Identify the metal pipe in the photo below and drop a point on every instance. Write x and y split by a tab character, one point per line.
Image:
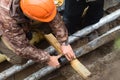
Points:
14	69
108	36
8	72
91	28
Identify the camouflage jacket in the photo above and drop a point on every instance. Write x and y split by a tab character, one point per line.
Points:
10	16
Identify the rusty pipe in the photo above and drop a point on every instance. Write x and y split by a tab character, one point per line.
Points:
14	69
105	38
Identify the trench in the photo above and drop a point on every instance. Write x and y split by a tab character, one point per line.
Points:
102	62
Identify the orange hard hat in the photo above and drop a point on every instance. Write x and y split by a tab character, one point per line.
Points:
40	10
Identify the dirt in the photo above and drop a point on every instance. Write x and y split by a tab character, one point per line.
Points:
106	68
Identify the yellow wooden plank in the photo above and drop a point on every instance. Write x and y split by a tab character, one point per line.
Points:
76	64
2	57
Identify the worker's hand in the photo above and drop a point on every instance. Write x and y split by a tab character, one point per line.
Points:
68	52
54	61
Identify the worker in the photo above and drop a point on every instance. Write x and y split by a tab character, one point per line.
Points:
81	13
23	13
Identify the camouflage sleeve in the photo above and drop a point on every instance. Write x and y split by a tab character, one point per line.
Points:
59	29
16	38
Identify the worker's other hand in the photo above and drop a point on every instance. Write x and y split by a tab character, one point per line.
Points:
54	61
68	52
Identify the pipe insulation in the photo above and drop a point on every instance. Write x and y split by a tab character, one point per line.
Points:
14	69
105	38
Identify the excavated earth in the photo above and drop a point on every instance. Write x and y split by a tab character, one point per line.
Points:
103	63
